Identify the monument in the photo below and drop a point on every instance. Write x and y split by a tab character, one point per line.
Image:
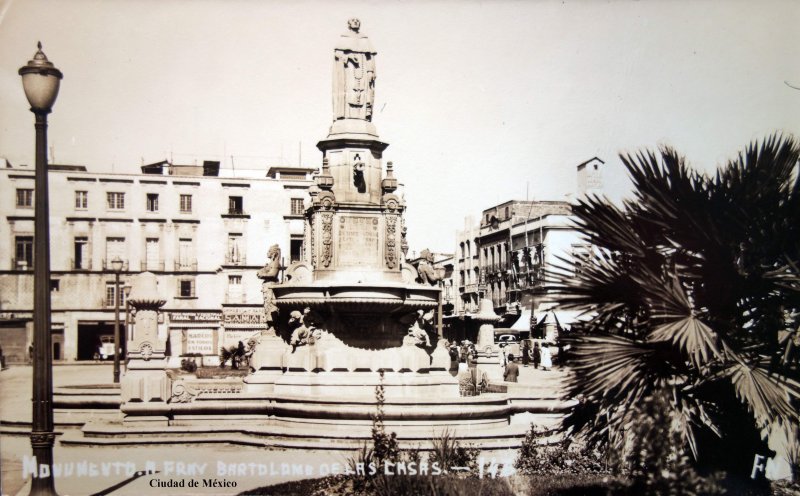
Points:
352	306
351	316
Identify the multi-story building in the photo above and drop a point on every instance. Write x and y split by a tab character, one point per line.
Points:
204	236
507	257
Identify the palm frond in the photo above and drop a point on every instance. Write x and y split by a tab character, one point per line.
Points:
766	397
609	367
693	337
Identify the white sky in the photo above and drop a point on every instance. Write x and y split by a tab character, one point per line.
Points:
478	100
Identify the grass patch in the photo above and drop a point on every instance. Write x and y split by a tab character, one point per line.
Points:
219	373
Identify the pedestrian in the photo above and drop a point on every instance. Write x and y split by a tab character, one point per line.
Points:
547	361
453	360
537	355
526	353
512	370
462	363
30	353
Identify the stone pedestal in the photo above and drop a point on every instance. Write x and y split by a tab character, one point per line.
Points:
488	353
266	362
489	363
145	379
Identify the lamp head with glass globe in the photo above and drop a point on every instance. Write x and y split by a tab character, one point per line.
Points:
40	80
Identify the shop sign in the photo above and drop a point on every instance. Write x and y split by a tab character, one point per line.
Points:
232	338
213	317
15	315
243	316
200	341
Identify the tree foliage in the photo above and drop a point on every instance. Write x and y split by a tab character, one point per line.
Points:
692	289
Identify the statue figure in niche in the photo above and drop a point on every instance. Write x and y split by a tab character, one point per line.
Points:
427	273
353	75
358	174
269	275
420	329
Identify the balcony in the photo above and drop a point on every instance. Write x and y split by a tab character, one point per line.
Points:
186	265
107	265
21	264
235	259
80	265
236	213
153	265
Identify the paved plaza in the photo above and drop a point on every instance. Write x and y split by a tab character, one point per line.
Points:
106	469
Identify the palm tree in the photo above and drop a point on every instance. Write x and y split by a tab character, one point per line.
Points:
692	293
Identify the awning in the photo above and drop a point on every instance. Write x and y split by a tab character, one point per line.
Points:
523	323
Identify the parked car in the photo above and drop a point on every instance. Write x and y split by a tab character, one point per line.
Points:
106	346
508	344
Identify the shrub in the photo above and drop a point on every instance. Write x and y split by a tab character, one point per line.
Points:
661	464
561	458
189	365
448	453
384	446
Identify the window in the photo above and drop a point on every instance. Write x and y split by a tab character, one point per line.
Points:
25	198
152	255
81	253
186	204
581	256
81	200
296	250
23	253
235	205
234	253
185	259
115	201
297	206
235	293
152	202
55	285
506	216
186	288
115	248
111	293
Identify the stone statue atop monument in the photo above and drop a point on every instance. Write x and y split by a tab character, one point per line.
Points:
353	75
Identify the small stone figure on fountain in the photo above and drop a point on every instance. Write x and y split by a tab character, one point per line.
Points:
304	331
418	332
269	275
428	274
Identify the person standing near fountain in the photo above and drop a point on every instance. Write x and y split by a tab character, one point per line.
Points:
512	370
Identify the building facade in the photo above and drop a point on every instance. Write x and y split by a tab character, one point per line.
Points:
203	235
509	253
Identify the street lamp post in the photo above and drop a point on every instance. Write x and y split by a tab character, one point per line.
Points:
116	266
41	80
126	290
